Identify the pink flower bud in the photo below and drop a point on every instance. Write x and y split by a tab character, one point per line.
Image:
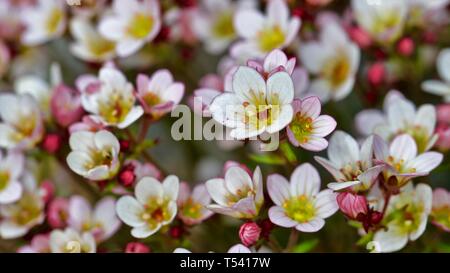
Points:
51	143
352	204
443	142
360	37
136	247
376	73
127	176
249	233
58	213
48	190
443	113
406	46
66	105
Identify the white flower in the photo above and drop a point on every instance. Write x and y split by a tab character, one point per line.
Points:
406	216
22	125
299	203
101	221
109	98
90	45
436	87
237	195
402	161
263	33
255	106
349	164
192	205
44	21
70	241
19	217
213	23
334	60
400	116
383	20
153	206
132	24
11	167
94	155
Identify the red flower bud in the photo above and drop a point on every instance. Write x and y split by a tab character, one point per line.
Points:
51	143
249	233
176	232
360	37
136	247
376	73
406	47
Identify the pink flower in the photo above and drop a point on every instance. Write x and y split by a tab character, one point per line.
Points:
58	213
159	94
249	233
66	105
136	247
443	142
39	244
299	203
443	113
440	212
352	205
308	128
86	124
192	205
360	37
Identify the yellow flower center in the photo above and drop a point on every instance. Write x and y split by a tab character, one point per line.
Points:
155	212
271	38
223	26
99	158
337	70
301	126
24	128
4	179
300	209
100	46
140	26
28	209
191	209
151	99
442	216
54	20
116	108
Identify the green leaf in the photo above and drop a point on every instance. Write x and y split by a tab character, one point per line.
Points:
286	149
268	158
306	246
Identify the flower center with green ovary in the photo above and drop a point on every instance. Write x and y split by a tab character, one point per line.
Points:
191	209
116	108
151	99
385	22
140	26
300	209
29	210
155	212
223	26
407	217
420	135
99	158
99	46
337	70
271	38
301	127
54	20
260	116
4	179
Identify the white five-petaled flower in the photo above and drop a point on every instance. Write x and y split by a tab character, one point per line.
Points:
299	203
334	60
71	241
101	221
159	94
383	20
192	205
237	194
400	116
308	128
263	33
109	98
89	45
132	24
94	155
153	206
401	161
213	23
11	168
436	87
19	217
349	164
406	218
44	21
255	106
22	123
